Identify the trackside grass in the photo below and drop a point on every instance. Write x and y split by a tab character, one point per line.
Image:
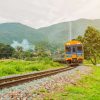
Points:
88	88
87	62
9	67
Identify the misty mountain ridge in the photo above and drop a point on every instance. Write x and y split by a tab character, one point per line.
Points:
57	33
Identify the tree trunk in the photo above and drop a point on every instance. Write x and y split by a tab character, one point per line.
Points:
94	60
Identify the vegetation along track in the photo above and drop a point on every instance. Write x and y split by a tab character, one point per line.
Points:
15	80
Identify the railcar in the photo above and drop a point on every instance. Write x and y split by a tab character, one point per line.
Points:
74	53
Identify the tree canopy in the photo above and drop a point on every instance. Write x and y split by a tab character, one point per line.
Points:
91	42
6	51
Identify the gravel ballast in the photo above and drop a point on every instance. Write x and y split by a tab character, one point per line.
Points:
28	91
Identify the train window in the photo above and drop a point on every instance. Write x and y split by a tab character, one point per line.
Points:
68	49
79	48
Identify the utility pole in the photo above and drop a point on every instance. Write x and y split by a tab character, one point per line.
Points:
70	30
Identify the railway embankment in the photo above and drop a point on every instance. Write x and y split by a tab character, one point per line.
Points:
45	87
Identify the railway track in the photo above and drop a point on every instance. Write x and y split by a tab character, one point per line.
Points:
16	80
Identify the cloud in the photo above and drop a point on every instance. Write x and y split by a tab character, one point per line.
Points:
39	13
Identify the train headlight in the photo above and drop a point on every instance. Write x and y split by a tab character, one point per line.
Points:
68	43
78	43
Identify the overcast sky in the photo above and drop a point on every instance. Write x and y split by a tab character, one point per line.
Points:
39	13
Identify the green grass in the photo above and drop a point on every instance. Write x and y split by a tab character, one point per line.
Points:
88	88
9	67
86	62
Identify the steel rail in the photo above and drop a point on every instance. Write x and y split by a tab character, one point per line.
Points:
15	80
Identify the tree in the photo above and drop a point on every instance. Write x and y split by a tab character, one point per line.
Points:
43	48
6	51
80	38
91	42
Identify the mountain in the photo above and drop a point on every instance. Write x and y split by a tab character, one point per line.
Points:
56	34
18	32
60	32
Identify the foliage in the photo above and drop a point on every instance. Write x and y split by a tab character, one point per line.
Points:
19	54
91	42
6	51
43	49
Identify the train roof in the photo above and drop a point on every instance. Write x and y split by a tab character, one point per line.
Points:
73	42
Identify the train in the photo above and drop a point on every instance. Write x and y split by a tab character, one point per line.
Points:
74	53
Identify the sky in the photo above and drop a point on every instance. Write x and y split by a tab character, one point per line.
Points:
41	13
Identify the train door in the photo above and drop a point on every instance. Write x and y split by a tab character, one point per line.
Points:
74	54
74	50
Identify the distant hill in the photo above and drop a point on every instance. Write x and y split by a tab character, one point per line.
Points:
57	33
60	32
18	32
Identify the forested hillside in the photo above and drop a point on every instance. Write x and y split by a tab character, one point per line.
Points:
56	34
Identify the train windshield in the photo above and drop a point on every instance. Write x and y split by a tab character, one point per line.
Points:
68	49
79	49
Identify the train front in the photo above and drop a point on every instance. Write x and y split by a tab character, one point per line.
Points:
74	52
